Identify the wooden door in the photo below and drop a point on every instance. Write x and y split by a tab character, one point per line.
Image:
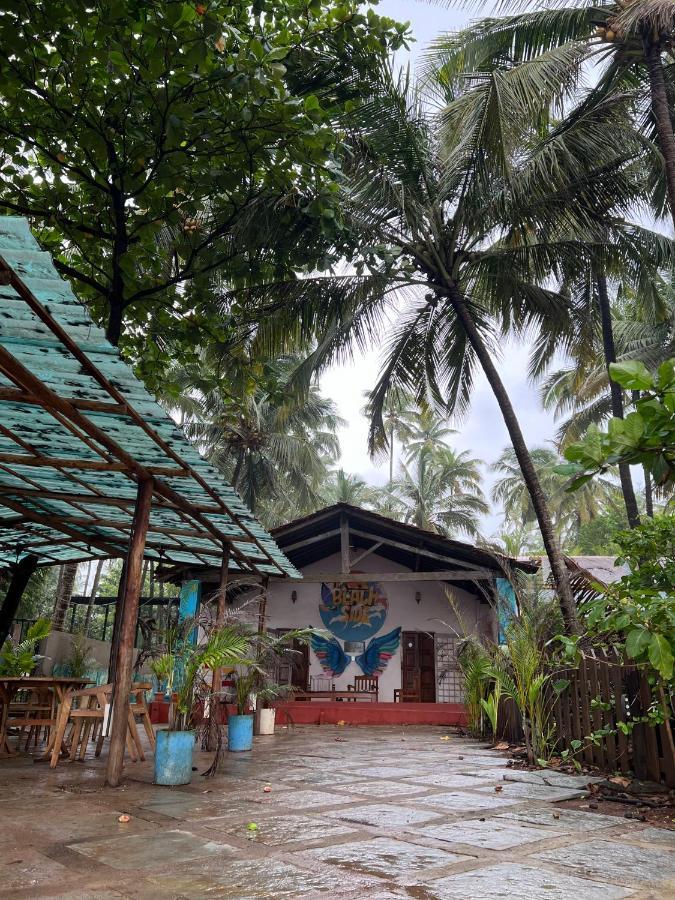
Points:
418	671
293	668
299	660
427	668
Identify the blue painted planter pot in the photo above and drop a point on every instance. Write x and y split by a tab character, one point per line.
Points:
239	733
173	757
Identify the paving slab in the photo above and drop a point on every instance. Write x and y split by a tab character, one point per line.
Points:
384	772
252	879
153	851
554	779
23	868
562	819
383	816
518	882
536	791
385	857
309	799
383	788
463	801
490	834
625	863
290	829
654	836
451	779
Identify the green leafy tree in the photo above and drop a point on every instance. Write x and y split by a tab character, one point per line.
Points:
153	145
646	436
638	612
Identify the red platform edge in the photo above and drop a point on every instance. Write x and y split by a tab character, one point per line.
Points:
331	712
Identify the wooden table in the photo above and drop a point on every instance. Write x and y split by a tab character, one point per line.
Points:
56	686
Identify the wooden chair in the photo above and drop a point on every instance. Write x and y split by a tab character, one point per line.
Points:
410	694
85	711
139	711
365	684
35	710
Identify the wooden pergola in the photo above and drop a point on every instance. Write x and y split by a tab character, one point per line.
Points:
92	467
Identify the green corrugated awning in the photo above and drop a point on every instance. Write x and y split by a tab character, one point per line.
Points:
78	431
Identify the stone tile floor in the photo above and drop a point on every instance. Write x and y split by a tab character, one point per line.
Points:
353	813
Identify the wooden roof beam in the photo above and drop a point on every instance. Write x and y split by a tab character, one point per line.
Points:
391	577
87	539
122	502
16	395
86	465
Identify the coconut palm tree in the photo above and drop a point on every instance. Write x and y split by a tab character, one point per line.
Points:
628	44
440	491
274	445
459	216
427	433
568	511
343	487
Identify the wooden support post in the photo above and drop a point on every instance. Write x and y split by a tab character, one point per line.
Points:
262	609
127	633
344	545
21	573
221	601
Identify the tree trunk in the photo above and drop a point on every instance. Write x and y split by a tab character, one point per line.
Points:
391	455
113	329
21	574
555	557
649	493
63	596
616	394
92	596
661	111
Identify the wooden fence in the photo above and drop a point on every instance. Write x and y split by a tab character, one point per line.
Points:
603	692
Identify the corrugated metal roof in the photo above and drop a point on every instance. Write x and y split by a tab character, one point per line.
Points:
78	430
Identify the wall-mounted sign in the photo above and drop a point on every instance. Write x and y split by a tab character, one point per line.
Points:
353	610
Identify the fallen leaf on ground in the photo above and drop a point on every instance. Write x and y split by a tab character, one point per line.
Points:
502	745
620	780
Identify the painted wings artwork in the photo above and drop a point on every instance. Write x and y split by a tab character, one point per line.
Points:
374	659
331	656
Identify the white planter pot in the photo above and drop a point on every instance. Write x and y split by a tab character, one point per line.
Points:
264	721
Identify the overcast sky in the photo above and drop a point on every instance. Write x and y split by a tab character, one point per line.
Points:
483	432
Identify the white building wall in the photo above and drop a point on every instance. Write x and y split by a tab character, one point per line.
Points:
433	614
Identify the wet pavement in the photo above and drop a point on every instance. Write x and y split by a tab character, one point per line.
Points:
352	813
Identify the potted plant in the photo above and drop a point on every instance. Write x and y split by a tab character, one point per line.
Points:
20	659
260	686
182	667
240	726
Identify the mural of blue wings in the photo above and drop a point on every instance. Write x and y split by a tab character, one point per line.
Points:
374	659
331	656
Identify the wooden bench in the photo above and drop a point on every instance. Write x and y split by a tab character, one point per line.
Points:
349	694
